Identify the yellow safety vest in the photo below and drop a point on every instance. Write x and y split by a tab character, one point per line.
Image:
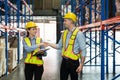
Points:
68	51
30	58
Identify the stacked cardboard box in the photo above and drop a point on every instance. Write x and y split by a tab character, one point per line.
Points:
87	15
2	61
98	9
117	7
12	59
2	57
12	55
2	42
13	42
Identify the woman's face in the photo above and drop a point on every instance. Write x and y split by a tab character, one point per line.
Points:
32	31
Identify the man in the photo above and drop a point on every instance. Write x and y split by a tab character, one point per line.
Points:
72	44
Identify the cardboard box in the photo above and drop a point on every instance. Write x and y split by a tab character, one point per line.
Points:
13	42
2	61
2	67
117	5
117	13
12	59
2	42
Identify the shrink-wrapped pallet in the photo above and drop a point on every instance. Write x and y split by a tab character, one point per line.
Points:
2	42
12	58
13	42
21	48
2	61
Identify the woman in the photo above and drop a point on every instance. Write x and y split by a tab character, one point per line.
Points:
32	46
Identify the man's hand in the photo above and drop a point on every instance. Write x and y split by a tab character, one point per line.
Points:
43	44
79	69
46	44
51	45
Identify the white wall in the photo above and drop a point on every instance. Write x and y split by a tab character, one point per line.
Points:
48	31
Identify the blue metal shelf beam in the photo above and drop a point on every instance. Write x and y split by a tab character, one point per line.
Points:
91	59
11	15
95	42
99	12
107	51
95	47
18	25
73	5
6	36
114	53
114	78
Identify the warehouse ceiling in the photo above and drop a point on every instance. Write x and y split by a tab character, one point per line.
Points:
46	7
44	19
42	7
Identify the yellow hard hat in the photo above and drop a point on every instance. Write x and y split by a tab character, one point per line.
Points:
71	15
30	24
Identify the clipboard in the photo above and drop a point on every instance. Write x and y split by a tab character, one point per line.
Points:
43	53
45	49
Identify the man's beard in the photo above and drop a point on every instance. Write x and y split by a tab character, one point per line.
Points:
66	27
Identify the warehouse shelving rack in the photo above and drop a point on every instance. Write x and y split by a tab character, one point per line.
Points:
100	27
11	13
104	28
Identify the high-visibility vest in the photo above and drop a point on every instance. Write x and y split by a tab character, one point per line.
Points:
68	51
30	58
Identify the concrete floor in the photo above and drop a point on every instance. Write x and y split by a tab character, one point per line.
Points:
51	70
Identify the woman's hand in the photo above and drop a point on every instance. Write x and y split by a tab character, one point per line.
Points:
51	45
41	52
46	44
42	44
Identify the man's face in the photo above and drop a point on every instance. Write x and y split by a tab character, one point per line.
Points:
67	22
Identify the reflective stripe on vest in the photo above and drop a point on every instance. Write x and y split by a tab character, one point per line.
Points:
68	51
30	58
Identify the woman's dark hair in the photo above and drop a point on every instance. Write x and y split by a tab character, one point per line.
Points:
28	32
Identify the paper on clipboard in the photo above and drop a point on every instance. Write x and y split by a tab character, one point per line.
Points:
45	49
